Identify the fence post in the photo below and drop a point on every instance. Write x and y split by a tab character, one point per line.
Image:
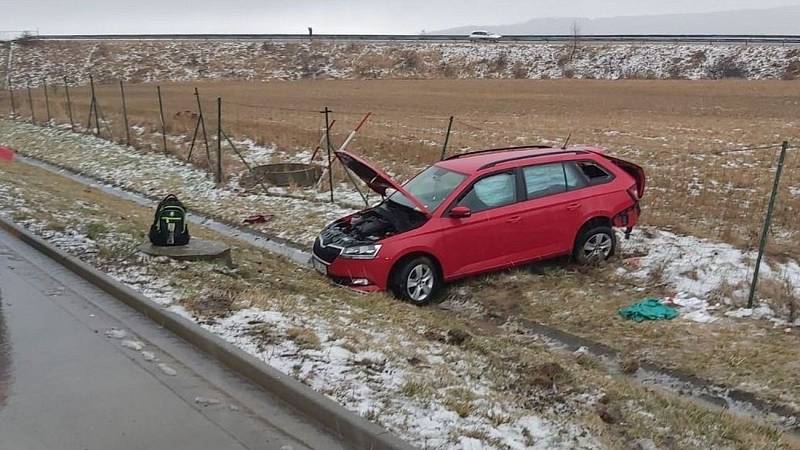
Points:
327	112
69	105
46	102
30	103
447	137
219	140
202	120
194	139
767	222
163	123
13	105
125	114
246	164
93	106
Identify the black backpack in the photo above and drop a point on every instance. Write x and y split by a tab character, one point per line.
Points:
169	224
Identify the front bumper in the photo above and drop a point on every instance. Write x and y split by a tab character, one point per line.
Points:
364	275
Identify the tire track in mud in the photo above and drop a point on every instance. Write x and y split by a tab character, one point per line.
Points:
701	391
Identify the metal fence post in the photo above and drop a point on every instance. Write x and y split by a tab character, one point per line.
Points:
201	123
30	103
767	222
94	107
219	140
13	104
327	112
447	137
202	120
163	123
125	114
69	105
46	102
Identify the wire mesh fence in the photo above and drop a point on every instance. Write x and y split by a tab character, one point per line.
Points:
719	193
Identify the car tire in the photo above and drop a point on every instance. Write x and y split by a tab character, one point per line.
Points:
595	245
417	280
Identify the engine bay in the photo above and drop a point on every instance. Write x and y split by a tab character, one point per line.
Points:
373	224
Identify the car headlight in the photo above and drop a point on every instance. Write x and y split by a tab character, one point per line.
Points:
361	251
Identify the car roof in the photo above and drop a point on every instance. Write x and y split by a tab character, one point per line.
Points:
469	163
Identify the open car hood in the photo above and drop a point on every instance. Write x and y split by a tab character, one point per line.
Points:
375	178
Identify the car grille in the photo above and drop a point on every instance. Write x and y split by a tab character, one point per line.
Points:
327	254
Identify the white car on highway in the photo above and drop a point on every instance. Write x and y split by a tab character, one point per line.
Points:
483	35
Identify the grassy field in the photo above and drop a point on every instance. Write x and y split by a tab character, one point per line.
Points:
753	355
517	370
682	132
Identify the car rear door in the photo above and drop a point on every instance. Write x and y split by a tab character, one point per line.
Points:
485	240
552	211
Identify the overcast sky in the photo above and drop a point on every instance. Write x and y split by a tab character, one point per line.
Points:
326	16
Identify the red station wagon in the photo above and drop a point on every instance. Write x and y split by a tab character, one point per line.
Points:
478	212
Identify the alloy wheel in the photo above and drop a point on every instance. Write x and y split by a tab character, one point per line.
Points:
597	248
419	284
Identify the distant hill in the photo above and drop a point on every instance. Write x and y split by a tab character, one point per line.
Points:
785	20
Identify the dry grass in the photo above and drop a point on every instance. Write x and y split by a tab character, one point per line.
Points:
750	354
460	402
779	293
304	338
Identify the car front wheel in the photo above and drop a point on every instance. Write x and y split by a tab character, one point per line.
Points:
417	280
595	245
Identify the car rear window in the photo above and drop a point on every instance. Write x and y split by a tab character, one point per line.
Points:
575	177
594	173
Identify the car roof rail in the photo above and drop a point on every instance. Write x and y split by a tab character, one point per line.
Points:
517	158
490	150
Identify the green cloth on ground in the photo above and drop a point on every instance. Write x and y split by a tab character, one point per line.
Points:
648	309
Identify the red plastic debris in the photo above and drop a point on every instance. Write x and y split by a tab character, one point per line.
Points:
632	263
6	154
257	218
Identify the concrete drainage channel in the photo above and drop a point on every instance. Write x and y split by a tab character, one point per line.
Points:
698	389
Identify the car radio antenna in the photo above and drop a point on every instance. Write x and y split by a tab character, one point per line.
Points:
566	141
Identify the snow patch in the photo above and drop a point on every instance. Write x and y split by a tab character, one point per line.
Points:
698	270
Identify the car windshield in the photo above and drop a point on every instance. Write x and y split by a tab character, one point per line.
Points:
430	187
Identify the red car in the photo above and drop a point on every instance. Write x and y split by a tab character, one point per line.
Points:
479	212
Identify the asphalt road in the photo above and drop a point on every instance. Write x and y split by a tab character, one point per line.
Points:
79	370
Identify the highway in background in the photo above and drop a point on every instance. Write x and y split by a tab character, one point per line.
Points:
639	39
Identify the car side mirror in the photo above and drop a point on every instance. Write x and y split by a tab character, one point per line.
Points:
460	212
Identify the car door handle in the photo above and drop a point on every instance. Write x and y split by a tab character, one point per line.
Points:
573	206
514	219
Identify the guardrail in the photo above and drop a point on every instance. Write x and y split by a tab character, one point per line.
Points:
641	38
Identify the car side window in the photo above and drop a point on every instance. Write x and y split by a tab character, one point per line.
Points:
594	173
544	180
575	177
491	192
